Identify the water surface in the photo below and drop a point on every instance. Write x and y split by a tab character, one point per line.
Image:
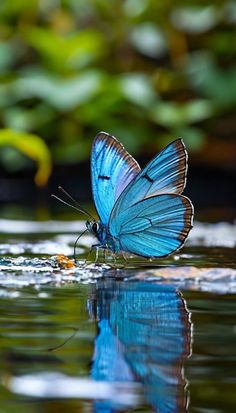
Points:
144	336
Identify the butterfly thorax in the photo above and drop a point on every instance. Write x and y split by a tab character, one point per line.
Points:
103	235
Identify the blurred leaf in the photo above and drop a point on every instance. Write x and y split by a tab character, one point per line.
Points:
170	114
71	68
195	19
214	83
149	40
194	138
102	108
33	147
134	8
15	7
63	94
130	134
230	11
221	43
67	52
13	161
6	56
137	88
23	119
72	152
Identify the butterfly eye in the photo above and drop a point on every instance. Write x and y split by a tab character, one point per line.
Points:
95	227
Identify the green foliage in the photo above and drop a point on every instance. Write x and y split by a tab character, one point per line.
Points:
218	85
144	70
33	147
65	53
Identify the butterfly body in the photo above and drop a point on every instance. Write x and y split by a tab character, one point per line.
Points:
141	211
101	232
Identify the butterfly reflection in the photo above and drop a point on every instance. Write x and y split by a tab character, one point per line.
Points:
144	336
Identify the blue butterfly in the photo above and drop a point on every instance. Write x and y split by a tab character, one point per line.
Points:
141	212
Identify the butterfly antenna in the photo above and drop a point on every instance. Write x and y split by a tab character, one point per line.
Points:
76	203
64	202
76	242
72	206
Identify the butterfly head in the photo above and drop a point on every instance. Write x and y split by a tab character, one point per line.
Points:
99	230
93	226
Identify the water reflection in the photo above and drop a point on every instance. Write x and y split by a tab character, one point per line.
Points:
144	336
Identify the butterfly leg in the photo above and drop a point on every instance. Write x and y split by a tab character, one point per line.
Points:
86	259
96	247
124	257
104	255
114	259
90	252
96	259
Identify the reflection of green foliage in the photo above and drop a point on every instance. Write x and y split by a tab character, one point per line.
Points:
143	70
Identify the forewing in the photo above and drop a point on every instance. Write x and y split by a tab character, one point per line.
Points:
154	227
164	174
112	169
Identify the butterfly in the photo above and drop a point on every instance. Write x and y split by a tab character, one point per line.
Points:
141	212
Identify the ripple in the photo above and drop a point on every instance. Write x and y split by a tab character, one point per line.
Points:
21	272
34	262
217	280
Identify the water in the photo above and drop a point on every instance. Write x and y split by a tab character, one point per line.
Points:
142	336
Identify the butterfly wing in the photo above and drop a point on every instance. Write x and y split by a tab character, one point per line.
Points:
164	174
112	169
154	227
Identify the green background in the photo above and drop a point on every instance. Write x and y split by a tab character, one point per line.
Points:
147	71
